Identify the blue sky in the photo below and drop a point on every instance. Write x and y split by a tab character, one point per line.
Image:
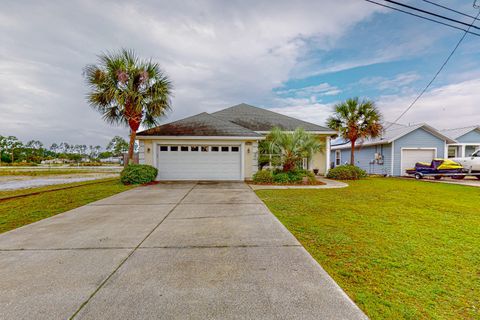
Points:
297	58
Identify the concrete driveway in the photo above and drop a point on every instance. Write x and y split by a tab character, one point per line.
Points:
166	251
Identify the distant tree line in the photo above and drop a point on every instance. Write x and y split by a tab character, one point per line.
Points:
12	150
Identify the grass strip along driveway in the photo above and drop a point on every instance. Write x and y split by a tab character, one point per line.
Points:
401	249
18	212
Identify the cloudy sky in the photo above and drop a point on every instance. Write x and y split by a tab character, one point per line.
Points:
294	57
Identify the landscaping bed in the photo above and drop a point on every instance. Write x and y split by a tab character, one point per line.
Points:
399	248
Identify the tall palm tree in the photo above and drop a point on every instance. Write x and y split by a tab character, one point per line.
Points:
128	91
355	120
292	147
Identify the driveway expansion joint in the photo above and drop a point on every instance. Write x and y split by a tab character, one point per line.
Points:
129	255
66	249
225	216
223	246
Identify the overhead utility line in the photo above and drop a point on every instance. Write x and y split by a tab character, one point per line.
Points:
449	9
432	14
425	18
436	74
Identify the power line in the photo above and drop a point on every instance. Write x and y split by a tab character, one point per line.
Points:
423	17
436	74
432	14
449	9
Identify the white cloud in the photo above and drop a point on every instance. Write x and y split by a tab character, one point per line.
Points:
304	109
217	54
322	89
395	83
449	106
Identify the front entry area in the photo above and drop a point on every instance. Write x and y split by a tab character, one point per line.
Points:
199	162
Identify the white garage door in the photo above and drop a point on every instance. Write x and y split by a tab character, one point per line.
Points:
412	156
199	162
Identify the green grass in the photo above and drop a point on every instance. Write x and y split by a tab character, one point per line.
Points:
47	172
18	212
401	249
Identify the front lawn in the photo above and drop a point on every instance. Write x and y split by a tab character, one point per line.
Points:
401	249
17	212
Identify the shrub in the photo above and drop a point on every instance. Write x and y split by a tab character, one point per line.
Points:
281	177
138	174
295	176
263	176
346	172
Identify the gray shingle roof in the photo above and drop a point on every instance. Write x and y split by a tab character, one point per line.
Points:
392	133
458	132
258	119
202	124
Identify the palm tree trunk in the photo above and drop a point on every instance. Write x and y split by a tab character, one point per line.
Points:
133	135
352	153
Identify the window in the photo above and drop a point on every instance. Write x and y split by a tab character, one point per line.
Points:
235	149
184	148
452	151
174	148
194	148
204	149
224	149
214	149
163	148
338	157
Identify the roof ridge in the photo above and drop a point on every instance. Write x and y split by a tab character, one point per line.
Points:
467	127
271	112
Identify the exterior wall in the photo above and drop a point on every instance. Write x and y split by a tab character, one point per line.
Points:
319	160
147	151
251	159
416	139
365	158
471	137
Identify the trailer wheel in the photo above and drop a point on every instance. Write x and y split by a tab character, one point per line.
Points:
438	177
418	176
458	177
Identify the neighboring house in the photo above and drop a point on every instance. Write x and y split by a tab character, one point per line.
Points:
220	146
398	149
467	141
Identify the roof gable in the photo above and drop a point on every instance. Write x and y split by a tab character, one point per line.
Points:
457	133
259	119
202	124
395	132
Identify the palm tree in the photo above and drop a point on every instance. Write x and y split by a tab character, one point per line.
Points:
292	147
355	120
128	91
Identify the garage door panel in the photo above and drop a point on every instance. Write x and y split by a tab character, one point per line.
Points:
199	165
411	156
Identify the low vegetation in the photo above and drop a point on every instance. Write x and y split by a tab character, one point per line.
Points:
346	172
281	177
138	174
17	212
401	249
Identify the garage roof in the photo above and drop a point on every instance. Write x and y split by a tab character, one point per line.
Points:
458	132
259	119
202	124
393	132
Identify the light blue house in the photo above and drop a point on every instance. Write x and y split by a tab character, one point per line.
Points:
398	149
467	141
